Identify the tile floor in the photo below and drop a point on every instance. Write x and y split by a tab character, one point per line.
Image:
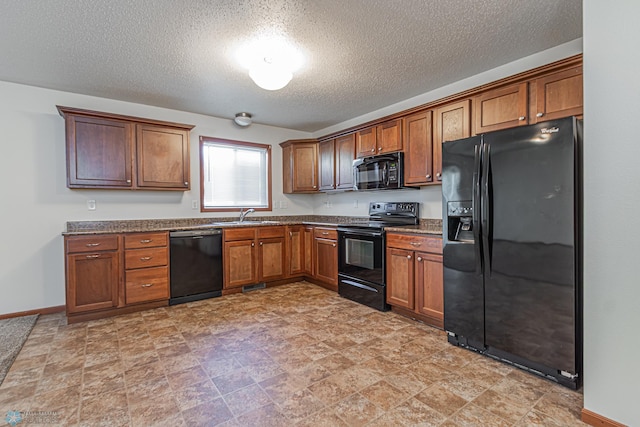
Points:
291	355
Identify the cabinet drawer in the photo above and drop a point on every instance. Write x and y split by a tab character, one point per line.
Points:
269	232
145	240
415	242
142	258
325	233
149	284
239	234
92	243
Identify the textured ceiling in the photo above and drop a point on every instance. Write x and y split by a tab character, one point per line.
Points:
361	55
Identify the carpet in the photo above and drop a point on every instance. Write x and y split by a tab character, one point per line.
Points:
13	333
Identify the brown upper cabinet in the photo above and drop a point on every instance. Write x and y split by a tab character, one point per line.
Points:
501	108
120	152
418	149
557	95
300	166
380	139
336	163
451	121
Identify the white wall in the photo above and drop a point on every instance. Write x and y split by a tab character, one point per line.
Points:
35	202
611	198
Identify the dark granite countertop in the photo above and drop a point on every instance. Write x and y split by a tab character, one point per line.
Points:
427	226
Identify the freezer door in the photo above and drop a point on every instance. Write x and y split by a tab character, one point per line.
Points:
463	289
530	257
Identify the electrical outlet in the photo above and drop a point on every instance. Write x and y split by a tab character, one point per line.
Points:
355	203
91	205
194	204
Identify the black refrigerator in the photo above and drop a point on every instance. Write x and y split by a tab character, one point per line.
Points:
512	247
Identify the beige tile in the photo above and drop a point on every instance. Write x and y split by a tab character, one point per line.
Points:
406	381
322	418
107	409
356	410
474	416
300	405
155	411
503	406
233	381
211	413
265	416
411	412
147	389
518	391
191	395
441	399
384	395
246	399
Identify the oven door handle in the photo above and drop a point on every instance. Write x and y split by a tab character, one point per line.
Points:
358	285
360	233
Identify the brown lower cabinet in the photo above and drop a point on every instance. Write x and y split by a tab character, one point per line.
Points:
114	274
414	276
325	249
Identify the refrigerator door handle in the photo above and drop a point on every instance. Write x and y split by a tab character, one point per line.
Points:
475	207
486	206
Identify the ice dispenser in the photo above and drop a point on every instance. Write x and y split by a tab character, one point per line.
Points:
460	221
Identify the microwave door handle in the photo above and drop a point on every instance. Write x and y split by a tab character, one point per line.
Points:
385	182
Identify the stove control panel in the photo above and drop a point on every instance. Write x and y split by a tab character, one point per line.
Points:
393	208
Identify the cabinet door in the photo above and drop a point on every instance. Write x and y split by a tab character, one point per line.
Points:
345	154
501	108
295	250
99	152
326	256
418	148
146	284
389	138
452	121
271	260
366	142
308	251
429	287
239	263
400	278
162	157
558	95
326	151
305	167
92	281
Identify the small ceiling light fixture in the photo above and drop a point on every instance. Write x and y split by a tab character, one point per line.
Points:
243	119
271	61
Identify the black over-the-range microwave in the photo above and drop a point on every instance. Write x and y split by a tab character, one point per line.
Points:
383	172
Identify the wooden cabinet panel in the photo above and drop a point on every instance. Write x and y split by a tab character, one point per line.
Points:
145	240
429	287
239	263
418	149
92	281
501	108
326	151
162	157
400	278
557	95
326	261
299	166
345	154
451	122
366	142
99	152
145	258
92	243
389	138
295	250
147	284
307	246
271	259
325	233
415	242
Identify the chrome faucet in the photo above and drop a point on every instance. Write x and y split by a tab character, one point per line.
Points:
245	213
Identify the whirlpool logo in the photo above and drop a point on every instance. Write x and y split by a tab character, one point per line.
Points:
13	418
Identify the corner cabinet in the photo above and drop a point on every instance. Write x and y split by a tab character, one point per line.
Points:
300	166
336	163
415	276
111	151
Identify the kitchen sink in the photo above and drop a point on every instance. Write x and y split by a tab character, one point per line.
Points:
245	222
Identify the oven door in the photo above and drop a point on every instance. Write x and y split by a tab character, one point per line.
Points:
361	254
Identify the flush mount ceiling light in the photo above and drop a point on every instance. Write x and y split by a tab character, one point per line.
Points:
243	119
271	61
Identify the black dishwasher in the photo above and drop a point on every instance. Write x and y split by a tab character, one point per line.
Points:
196	265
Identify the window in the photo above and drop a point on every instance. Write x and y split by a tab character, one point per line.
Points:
234	175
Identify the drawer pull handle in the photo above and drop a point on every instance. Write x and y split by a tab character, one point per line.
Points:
92	245
145	258
325	233
147	285
146	240
93	256
415	243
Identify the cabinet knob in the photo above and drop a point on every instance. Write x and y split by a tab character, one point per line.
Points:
128	181
419	259
261	243
438	175
373	149
252	244
428	176
539	114
334	245
147	285
408	256
315	186
379	148
186	183
521	118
